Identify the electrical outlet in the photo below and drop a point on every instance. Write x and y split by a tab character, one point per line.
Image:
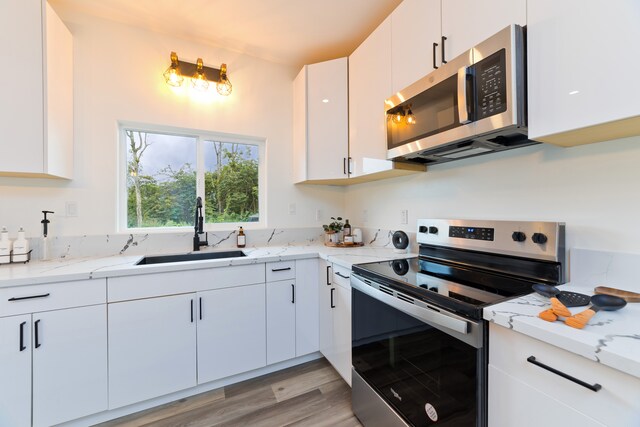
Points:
404	216
71	209
292	208
318	214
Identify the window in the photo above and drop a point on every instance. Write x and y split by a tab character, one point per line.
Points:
165	170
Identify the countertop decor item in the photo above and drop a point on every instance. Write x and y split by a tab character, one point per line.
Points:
400	241
333	230
344	244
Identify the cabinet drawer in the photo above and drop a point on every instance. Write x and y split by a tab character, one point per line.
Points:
283	270
180	282
53	296
341	276
616	403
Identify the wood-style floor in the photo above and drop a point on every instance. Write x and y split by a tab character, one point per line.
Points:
312	394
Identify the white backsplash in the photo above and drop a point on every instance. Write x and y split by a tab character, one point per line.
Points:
597	268
167	243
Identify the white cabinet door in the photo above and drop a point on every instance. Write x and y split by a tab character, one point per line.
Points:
231	331
15	371
325	311
369	86
21	103
307	307
514	403
152	348
581	70
466	23
342	331
281	321
327	125
415	26
69	364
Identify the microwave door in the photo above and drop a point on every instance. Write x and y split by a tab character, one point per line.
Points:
499	73
435	103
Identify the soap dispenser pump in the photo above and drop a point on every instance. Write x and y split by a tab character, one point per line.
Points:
45	233
5	246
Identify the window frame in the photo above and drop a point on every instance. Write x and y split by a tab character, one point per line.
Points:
201	136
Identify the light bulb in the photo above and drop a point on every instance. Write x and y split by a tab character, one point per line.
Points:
224	86
410	119
199	81
397	117
172	75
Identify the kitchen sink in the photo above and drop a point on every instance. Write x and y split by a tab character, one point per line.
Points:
161	259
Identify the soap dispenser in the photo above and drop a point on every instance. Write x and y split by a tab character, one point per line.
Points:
45	233
20	248
5	246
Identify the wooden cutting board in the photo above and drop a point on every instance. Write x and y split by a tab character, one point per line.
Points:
628	296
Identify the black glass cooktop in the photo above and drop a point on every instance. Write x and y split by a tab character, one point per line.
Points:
457	288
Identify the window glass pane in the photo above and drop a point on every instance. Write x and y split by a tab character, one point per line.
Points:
231	182
161	179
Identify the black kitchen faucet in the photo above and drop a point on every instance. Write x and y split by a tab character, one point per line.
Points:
198	227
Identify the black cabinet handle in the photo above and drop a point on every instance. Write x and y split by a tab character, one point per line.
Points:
328	276
435	47
594	387
332	289
344	165
442	51
200	308
22	346
281	269
349	166
35	326
338	274
30	297
293	293
192	311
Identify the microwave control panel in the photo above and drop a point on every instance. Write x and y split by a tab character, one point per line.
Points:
491	85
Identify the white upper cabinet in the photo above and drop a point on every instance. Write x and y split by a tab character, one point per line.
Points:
369	86
466	23
36	107
415	28
320	121
582	66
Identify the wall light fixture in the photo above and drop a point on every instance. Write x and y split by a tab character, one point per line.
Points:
200	75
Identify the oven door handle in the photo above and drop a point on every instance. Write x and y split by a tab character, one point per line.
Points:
420	313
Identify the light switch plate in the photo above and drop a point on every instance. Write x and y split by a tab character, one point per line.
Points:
71	209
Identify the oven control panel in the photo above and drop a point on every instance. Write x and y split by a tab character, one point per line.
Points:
530	239
477	233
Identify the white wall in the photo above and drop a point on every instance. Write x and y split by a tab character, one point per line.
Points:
594	189
118	76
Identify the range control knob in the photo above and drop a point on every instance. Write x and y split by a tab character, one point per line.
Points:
518	236
433	230
422	229
539	238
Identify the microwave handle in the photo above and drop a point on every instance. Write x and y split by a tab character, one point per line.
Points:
463	98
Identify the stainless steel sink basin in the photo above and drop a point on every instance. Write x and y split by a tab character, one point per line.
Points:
161	259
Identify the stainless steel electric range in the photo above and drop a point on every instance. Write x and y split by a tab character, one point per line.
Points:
419	344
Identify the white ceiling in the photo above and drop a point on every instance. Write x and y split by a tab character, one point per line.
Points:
293	32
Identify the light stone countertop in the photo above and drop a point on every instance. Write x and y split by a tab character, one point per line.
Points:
611	337
69	269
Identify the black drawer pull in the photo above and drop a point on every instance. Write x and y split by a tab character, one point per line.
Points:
31	297
328	274
192	311
332	289
338	274
594	387
293	293
281	269
22	346
200	308
35	325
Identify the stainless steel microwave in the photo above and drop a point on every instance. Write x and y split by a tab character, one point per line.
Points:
474	104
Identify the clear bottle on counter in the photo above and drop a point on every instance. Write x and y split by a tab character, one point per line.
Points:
5	246
20	248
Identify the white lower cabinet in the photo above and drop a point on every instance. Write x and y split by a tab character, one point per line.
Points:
335	318
15	371
69	364
281	321
522	393
152	348
307	316
231	331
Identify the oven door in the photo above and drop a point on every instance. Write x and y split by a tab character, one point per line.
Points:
426	365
